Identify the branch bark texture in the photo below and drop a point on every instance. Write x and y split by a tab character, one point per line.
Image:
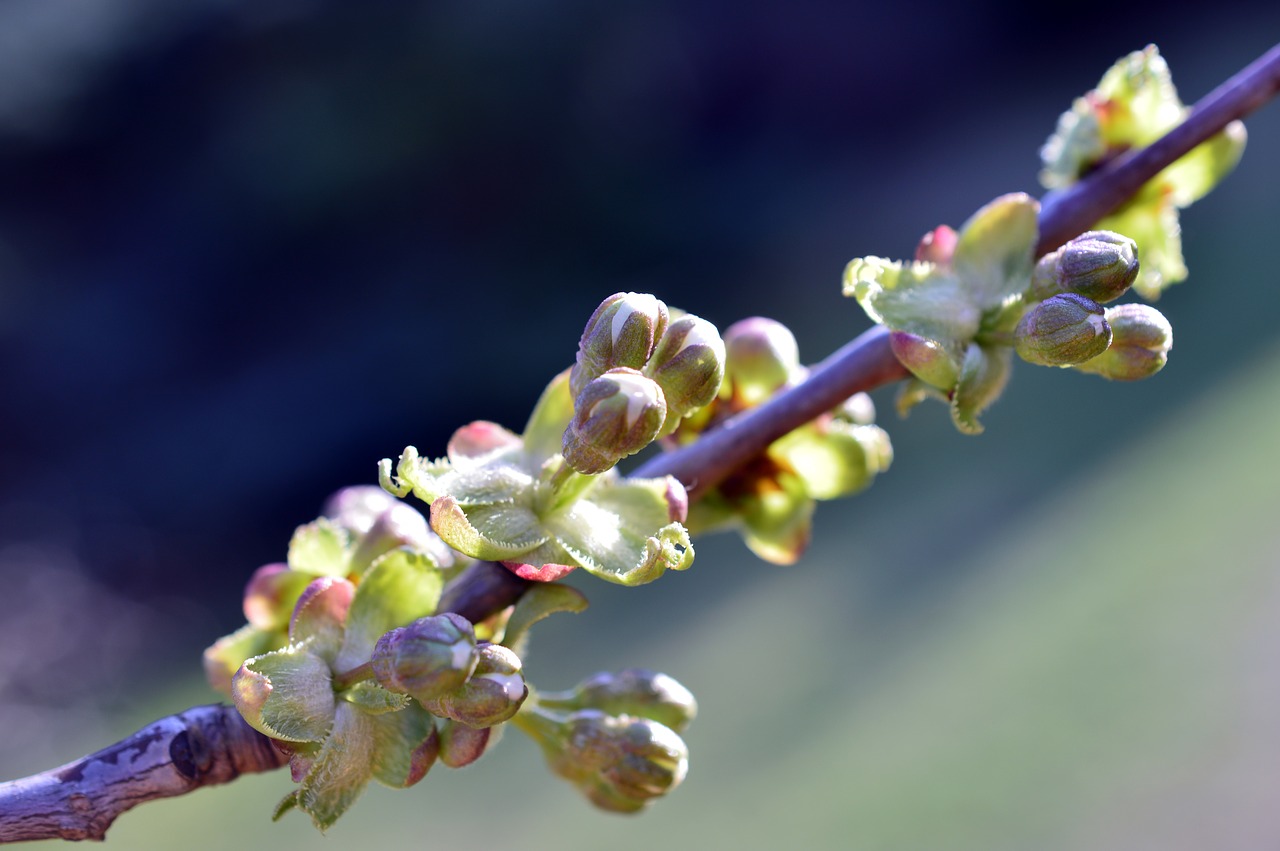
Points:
204	746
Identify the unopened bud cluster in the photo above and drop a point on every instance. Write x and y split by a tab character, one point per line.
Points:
474	686
615	737
1069	326
638	373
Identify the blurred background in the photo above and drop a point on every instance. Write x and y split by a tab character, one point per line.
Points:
249	248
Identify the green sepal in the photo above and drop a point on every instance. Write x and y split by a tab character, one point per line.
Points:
287	803
923	299
286	694
623	531
777	522
405	746
340	769
225	656
993	255
372	699
913	391
320	547
319	619
835	458
983	377
494	532
398	587
551	415
540	601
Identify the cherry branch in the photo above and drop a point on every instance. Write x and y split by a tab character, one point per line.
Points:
209	745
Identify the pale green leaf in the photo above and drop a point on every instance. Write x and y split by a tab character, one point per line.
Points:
320	547
540	601
919	298
405	746
341	768
545	428
399	587
286	694
494	532
373	699
993	255
982	379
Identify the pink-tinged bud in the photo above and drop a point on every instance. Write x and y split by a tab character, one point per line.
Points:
927	359
271	593
616	415
428	658
761	356
937	246
622	332
1099	265
1062	330
1140	344
492	695
462	745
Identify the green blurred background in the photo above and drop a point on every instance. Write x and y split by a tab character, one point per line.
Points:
248	248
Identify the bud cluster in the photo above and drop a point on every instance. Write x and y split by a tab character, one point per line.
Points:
637	375
615	737
474	686
1069	326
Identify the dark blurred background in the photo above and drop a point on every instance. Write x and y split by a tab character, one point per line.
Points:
249	248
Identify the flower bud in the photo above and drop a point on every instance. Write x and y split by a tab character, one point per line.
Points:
688	365
761	356
462	745
1062	330
399	525
620	763
927	359
622	332
492	695
1140	344
429	657
616	415
1099	265
634	691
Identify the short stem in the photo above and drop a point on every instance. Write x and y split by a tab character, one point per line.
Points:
358	674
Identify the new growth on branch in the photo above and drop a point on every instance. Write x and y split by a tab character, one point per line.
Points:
388	642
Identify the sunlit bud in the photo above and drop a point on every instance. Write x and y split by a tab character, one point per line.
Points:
634	691
760	356
492	695
858	409
1062	330
620	763
357	507
399	525
927	359
622	332
688	365
1099	265
937	245
271	593
1140	344
462	745
614	416
429	657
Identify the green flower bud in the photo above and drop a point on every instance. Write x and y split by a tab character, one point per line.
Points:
622	332
1062	330
620	763
616	415
492	695
688	365
1099	265
761	356
634	691
429	657
1140	344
